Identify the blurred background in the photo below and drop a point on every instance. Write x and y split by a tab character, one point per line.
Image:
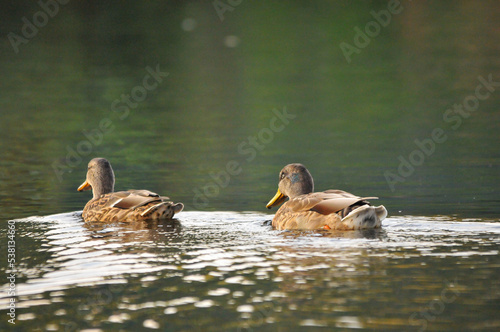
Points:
364	80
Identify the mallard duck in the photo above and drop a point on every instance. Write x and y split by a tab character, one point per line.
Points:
330	209
130	205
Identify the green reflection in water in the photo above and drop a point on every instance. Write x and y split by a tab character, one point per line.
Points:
353	120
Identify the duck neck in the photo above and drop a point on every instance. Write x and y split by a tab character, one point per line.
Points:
305	188
102	188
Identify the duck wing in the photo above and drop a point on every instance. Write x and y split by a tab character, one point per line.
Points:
327	202
132	199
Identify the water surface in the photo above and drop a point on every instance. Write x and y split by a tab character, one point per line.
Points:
229	271
354	121
219	89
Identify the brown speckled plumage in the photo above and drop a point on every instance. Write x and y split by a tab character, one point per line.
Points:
330	209
130	205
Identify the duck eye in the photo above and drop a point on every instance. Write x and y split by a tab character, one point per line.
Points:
282	175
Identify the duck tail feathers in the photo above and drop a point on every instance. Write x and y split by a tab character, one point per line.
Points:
163	210
365	217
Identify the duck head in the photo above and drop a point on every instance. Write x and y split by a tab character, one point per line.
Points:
294	180
100	178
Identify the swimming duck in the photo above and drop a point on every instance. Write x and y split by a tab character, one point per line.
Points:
130	205
330	209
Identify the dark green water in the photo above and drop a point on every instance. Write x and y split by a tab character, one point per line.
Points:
408	116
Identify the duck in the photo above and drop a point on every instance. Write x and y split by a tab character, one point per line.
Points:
328	210
130	205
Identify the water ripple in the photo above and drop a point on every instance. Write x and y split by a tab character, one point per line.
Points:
230	264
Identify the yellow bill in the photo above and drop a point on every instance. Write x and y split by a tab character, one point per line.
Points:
85	186
276	200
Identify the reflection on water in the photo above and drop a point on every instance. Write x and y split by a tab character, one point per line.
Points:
353	120
225	270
